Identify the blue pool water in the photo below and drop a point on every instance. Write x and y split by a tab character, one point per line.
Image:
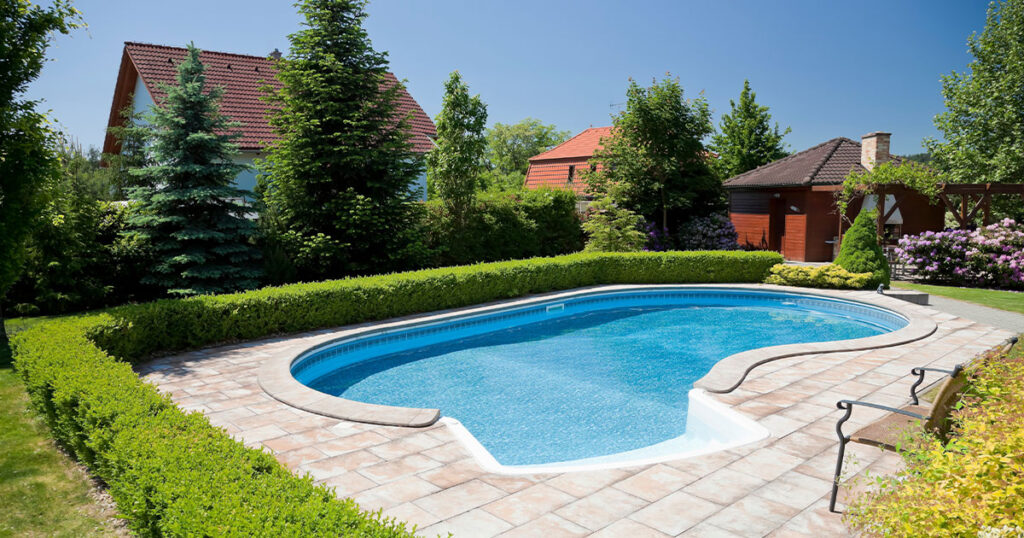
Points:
581	379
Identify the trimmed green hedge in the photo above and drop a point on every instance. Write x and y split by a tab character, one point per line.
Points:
172	473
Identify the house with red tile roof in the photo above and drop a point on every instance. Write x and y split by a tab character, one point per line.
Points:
560	166
789	205
145	68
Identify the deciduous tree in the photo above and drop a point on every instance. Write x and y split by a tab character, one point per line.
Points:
456	162
656	155
983	124
189	210
509	148
27	146
747	138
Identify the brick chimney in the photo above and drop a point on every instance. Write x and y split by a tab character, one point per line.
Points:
874	149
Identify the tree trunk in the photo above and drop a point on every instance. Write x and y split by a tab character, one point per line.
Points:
4	343
664	212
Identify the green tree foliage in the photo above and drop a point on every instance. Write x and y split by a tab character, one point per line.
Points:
509	148
505	226
338	184
456	162
982	126
27	160
131	138
63	267
747	138
860	252
189	210
76	257
656	155
911	174
610	227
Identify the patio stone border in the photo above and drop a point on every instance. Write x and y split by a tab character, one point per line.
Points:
275	376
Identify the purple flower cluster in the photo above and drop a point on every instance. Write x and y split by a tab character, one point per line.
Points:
990	257
713	232
658	239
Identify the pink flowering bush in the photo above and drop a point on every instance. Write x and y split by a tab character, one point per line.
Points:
989	257
713	232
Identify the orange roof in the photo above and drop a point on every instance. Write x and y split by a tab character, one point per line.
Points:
241	76
581	145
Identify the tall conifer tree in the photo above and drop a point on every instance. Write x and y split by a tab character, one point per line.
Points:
338	185
747	138
189	209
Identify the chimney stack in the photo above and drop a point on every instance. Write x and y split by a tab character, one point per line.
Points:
276	54
874	149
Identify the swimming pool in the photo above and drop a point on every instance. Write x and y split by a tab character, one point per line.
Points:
587	380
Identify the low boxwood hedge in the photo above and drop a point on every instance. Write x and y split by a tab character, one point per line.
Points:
824	276
172	473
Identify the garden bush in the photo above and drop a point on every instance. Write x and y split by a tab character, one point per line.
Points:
826	276
504	226
172	473
991	256
972	486
860	252
713	232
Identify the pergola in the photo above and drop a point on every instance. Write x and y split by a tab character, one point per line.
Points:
975	197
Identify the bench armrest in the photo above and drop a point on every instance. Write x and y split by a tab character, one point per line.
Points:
920	371
849	404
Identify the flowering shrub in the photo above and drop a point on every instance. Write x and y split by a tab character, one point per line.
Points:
972	485
991	257
658	239
713	232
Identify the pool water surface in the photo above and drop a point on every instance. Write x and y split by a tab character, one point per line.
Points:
581	380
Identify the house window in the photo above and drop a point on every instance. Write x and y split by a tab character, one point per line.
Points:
572	172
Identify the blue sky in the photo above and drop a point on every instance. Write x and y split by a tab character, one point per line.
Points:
826	69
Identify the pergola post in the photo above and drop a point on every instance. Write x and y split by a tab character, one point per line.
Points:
880	213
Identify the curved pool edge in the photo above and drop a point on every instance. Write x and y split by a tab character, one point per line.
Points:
733	430
275	376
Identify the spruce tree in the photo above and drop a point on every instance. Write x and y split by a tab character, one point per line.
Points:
747	138
338	184
189	210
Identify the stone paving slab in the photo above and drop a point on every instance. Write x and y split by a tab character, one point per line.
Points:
775	487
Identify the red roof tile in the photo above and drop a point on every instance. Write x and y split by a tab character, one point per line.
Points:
242	76
827	163
581	145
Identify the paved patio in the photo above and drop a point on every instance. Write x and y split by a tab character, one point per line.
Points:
776	487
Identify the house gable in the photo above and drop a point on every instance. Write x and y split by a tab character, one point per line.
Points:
242	77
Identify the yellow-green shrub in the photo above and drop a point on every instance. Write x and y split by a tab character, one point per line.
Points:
825	276
975	483
172	473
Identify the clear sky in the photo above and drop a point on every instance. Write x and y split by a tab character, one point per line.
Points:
826	69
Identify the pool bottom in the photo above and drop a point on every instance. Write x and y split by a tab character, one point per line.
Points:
711	426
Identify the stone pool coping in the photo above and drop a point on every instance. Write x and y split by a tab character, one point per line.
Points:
275	377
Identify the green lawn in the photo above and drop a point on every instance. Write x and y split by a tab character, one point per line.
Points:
44	493
1003	300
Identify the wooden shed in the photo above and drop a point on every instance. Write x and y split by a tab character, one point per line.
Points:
789	205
